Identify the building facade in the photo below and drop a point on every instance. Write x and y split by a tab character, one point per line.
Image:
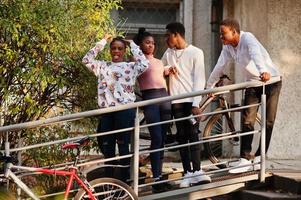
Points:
275	23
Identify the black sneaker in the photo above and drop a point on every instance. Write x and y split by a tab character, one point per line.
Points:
158	188
161	187
167	186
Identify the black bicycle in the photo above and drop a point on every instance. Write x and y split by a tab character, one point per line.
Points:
221	124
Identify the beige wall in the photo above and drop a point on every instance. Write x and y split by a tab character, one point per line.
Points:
201	33
276	24
202	29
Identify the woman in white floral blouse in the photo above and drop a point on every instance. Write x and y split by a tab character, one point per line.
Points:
116	80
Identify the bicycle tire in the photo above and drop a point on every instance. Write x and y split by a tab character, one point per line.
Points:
218	124
108	188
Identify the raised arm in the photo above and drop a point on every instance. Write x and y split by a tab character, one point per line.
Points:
141	62
89	59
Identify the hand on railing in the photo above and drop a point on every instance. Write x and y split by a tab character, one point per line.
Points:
265	76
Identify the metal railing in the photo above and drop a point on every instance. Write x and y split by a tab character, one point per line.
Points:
135	142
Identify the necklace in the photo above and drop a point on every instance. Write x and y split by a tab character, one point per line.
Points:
181	54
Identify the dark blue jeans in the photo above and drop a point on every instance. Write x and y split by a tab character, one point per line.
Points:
156	113
253	96
107	143
186	132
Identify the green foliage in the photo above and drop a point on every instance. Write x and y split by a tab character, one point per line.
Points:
41	75
41	47
5	195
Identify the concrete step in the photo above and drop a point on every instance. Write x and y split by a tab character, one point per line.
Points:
267	195
288	182
281	185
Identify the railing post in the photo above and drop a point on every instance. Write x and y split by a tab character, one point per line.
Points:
135	159
6	146
19	156
263	134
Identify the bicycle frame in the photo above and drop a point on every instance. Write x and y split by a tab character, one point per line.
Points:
72	173
222	102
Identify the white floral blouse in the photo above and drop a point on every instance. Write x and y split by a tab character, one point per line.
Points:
116	80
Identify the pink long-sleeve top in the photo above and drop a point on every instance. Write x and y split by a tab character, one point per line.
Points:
153	77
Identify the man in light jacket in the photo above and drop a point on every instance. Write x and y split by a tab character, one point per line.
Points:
255	63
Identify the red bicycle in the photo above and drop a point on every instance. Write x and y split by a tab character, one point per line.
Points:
101	188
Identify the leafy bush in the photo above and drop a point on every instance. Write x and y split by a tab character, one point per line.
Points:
41	75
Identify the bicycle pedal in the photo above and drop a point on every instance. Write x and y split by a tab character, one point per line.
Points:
234	143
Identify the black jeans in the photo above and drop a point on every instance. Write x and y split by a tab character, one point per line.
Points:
156	113
186	132
107	143
253	96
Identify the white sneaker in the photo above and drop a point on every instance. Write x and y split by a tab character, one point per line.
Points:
200	177
257	159
186	180
241	166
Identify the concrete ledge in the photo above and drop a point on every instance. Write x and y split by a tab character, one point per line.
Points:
266	195
289	182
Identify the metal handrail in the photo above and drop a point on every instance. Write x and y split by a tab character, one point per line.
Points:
96	112
134	155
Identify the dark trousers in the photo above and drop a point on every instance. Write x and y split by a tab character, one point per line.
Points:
107	143
156	113
186	132
253	96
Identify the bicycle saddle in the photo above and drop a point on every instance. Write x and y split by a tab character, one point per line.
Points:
77	143
8	159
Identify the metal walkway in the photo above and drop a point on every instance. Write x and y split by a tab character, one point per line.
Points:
279	184
222	184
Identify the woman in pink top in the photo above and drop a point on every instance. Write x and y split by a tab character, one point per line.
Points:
153	85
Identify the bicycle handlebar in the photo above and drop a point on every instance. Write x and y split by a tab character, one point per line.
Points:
221	80
211	98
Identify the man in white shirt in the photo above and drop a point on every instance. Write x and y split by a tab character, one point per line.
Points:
184	64
255	63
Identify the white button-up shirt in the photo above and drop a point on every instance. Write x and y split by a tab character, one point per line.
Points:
249	55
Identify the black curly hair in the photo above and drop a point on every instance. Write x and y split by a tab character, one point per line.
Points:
139	37
232	24
120	39
176	27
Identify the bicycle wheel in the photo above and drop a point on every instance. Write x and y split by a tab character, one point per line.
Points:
108	188
216	125
219	124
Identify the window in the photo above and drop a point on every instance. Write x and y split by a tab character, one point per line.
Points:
152	15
